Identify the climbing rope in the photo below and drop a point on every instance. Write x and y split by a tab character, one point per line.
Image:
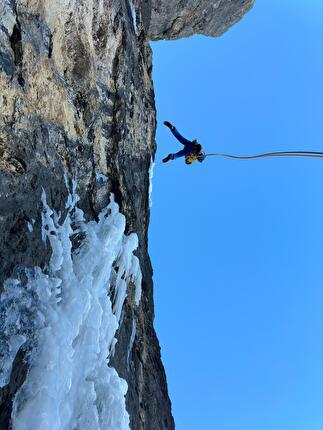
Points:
271	154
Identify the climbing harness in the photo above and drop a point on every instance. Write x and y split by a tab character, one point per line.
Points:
311	154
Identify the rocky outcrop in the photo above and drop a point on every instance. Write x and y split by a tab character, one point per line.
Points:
177	19
77	103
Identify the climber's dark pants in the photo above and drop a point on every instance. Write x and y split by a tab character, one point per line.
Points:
188	145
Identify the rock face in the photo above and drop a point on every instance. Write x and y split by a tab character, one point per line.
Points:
176	19
77	102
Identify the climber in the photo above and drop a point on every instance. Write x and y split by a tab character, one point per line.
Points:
192	149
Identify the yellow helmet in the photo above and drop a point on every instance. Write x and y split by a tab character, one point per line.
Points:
190	158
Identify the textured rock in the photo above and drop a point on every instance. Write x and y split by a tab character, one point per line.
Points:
77	100
183	18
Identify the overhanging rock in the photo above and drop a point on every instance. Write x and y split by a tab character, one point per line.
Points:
77	106
177	19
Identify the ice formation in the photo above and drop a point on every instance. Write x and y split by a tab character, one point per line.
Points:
67	318
151	174
132	339
133	14
30	225
100	177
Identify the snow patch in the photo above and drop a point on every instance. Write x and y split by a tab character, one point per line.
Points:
65	319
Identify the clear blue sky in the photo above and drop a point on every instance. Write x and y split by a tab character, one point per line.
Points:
237	246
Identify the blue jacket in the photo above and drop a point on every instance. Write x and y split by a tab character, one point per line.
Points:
188	145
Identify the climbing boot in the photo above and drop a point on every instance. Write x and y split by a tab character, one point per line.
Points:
169	157
169	125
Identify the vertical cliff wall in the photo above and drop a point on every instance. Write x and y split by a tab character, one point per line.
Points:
77	126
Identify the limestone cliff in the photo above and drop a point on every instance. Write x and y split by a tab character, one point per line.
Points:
77	103
176	19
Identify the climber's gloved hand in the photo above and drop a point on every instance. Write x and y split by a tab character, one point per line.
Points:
169	125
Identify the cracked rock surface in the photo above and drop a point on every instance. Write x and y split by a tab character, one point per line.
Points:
77	100
183	18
